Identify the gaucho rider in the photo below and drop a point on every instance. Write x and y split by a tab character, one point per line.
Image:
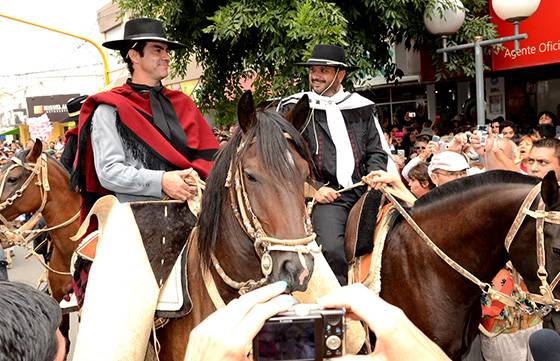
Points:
141	141
344	137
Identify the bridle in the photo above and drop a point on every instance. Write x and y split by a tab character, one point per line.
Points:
546	296
24	234
262	242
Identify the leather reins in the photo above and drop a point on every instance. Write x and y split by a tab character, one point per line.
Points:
546	297
262	242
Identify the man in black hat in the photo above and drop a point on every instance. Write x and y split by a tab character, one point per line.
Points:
142	141
345	139
71	136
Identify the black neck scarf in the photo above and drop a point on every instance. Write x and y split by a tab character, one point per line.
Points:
164	116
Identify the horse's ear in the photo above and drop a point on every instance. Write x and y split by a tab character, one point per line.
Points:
298	115
35	152
246	113
549	190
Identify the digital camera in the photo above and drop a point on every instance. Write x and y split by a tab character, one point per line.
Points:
483	132
305	333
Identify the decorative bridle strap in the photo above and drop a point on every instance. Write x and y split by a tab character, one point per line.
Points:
484	286
520	217
251	225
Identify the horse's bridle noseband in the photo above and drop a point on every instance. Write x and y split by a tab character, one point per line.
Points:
251	225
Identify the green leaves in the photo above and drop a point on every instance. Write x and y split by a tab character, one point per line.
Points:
231	38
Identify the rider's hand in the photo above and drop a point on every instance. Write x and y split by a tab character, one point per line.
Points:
325	195
179	184
227	334
397	337
378	178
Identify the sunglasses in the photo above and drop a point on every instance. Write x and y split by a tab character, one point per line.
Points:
418	148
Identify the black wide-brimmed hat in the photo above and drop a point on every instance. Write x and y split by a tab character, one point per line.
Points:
142	29
74	106
328	55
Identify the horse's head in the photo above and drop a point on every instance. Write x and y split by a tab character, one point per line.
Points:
264	168
18	193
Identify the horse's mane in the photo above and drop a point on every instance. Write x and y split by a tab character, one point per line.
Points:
272	151
466	184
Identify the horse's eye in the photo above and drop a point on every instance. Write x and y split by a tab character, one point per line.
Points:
11	179
250	177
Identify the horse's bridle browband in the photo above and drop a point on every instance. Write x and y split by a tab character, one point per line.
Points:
24	234
251	225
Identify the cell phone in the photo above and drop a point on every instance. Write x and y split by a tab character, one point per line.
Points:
482	130
314	334
435	138
411	114
400	153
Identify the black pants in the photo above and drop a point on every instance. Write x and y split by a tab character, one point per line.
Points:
329	222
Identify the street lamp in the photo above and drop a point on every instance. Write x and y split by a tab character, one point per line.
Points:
444	15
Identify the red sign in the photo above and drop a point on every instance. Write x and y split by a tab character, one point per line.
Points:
543	45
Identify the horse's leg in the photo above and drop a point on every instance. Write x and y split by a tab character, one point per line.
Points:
58	286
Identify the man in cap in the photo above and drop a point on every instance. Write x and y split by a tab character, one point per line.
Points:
345	139
447	166
142	141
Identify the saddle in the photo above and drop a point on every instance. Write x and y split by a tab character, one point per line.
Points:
139	256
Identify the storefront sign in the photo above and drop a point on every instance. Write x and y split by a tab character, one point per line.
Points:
52	105
543	45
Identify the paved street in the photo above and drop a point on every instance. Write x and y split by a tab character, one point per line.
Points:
29	271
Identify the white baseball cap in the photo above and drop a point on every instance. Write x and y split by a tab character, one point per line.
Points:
448	161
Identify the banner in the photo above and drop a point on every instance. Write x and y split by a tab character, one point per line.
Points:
541	48
40	127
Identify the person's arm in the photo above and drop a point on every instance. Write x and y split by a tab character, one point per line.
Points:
397	337
227	334
376	157
116	175
110	159
413	163
378	179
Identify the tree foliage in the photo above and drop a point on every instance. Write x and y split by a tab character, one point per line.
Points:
236	38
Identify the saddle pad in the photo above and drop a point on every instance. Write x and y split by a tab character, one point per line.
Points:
366	224
165	227
367	269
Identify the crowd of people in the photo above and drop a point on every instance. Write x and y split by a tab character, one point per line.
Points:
141	141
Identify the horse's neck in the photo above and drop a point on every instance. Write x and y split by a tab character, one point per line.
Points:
472	228
62	205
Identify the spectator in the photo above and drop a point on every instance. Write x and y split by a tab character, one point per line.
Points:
544	157
447	166
547	117
523	149
30	321
420	182
507	129
495	125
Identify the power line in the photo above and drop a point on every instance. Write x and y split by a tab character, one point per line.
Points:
49	71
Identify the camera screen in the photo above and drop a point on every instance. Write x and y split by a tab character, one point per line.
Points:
286	341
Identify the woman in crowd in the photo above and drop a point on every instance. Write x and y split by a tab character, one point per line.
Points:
523	149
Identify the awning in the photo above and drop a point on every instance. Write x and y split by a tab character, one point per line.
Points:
10	131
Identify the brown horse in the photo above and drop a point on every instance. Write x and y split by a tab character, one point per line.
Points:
273	166
469	220
24	180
